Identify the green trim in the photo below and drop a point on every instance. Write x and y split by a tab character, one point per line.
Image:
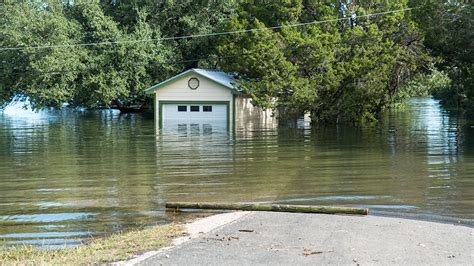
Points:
233	111
227	103
187	73
228	116
154	106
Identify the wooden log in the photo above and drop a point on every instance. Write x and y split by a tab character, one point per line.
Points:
267	207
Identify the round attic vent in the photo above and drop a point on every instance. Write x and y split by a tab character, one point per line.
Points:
193	83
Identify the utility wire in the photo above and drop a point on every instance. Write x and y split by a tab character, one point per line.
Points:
86	69
205	34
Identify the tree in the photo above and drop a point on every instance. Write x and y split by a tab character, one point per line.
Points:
339	71
348	68
118	71
178	18
115	67
44	76
448	34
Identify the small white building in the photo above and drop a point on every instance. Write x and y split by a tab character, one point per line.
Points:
199	96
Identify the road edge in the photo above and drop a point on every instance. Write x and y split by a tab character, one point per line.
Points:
193	230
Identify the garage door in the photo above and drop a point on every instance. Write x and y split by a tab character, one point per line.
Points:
177	113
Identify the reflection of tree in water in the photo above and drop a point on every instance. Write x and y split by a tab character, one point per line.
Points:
393	165
336	162
387	165
431	143
468	139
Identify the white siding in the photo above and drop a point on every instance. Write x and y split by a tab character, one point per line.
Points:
248	116
207	91
179	91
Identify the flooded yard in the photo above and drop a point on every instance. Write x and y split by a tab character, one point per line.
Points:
66	175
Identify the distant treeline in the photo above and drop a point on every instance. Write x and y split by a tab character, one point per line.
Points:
342	61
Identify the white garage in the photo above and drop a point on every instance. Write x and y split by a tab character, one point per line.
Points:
202	97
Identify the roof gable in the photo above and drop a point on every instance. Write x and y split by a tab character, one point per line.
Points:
218	77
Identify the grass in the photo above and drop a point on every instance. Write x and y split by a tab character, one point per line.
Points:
116	247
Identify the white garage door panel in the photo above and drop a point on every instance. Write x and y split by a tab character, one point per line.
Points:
170	112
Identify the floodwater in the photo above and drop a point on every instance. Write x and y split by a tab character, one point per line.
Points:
66	175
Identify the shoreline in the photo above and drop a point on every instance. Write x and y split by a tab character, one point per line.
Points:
193	230
176	235
423	217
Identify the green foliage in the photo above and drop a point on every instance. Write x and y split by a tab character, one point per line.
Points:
346	71
339	71
39	74
258	59
424	84
271	13
80	75
178	18
117	71
448	27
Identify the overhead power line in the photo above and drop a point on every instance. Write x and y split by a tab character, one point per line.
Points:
204	34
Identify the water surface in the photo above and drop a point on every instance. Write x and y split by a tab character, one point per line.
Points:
66	175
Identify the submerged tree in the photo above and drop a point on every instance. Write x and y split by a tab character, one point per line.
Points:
342	65
45	76
349	69
78	55
448	27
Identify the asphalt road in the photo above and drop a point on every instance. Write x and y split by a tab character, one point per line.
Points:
264	238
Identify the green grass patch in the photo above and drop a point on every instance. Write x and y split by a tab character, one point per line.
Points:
116	247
